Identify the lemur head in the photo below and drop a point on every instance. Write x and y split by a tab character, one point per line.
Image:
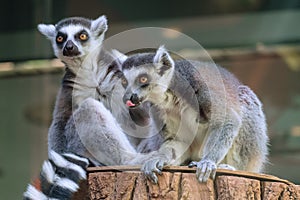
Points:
72	38
146	77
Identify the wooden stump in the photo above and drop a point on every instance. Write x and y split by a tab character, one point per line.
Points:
125	182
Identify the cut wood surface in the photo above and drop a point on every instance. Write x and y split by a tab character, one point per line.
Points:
127	182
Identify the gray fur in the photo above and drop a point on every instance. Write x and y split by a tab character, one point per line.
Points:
88	79
209	115
83	123
79	82
100	129
81	21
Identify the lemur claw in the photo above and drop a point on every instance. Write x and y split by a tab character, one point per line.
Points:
151	168
205	169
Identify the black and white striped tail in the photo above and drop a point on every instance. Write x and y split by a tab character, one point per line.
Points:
59	177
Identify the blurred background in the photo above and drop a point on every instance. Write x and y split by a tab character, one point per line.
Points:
258	40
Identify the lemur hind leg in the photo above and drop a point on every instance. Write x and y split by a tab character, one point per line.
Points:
101	135
250	148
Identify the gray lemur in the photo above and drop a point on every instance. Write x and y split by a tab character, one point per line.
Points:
207	114
90	73
73	39
82	120
76	41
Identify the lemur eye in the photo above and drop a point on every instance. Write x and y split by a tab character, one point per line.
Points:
83	37
143	79
59	39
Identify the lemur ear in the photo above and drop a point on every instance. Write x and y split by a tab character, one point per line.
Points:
120	57
163	59
48	30
99	25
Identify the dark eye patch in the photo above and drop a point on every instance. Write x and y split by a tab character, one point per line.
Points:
61	43
77	36
143	80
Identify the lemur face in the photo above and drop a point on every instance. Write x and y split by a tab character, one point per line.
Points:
72	41
146	77
73	38
138	85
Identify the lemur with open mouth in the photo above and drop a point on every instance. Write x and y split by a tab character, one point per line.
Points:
209	117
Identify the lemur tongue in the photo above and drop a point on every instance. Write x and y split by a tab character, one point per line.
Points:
129	103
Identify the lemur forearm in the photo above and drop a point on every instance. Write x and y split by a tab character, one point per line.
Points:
220	139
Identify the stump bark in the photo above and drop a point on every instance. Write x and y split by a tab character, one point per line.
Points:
125	182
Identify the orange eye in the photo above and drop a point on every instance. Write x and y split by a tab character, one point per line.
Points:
83	36
143	79
59	39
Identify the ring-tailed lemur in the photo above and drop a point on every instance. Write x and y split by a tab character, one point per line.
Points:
216	121
75	41
83	107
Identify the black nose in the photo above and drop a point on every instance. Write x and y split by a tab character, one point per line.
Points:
70	49
134	98
70	45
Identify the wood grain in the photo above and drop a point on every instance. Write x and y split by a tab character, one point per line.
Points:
128	183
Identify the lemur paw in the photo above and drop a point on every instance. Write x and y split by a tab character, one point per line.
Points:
205	169
153	167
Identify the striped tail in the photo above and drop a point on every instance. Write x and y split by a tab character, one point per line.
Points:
59	177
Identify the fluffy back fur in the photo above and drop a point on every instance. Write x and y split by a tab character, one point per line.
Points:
204	108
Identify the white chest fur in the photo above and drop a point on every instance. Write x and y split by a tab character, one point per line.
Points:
182	124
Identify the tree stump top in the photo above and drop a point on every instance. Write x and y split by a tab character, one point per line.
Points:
178	182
